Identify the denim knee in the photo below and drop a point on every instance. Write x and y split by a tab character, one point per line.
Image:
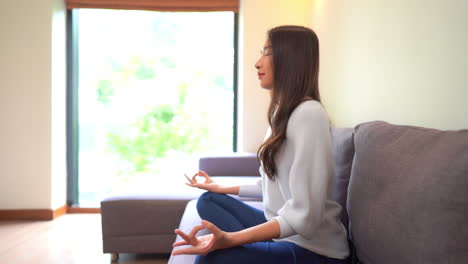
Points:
205	200
210	195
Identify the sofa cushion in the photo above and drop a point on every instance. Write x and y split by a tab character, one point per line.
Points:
343	153
408	194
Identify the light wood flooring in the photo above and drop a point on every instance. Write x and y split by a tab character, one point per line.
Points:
72	238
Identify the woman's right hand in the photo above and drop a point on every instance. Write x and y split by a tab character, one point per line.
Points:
208	185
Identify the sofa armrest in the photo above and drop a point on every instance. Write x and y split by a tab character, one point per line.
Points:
235	164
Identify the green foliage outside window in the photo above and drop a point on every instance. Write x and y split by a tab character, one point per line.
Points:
163	128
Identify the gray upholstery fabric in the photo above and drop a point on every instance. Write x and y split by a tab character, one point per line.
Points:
343	153
127	222
408	195
239	164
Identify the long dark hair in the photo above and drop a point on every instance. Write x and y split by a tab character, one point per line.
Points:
295	52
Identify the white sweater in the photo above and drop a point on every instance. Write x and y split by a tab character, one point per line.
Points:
300	198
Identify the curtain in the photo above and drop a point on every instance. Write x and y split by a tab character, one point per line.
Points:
158	5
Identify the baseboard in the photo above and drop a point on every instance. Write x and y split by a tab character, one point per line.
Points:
83	210
60	211
44	214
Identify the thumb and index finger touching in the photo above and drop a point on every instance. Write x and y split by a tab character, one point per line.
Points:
211	227
203	174
188	239
191	237
193	180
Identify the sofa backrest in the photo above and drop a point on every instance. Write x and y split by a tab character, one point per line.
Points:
408	194
234	164
343	153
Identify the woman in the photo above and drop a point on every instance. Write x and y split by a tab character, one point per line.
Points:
300	223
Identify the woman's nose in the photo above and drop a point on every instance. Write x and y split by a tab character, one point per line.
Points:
257	65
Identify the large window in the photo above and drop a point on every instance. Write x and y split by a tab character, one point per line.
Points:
154	91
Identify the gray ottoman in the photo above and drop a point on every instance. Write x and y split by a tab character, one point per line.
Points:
144	222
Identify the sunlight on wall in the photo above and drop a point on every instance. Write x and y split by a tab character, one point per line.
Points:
398	61
256	18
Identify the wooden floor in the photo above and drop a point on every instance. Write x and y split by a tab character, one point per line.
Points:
72	238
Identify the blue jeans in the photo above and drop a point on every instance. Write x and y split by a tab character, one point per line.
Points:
230	214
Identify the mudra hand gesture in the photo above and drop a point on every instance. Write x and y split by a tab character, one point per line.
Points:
202	245
208	185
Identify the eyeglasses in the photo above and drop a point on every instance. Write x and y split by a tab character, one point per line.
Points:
266	51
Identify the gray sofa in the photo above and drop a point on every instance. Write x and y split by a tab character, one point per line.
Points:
404	188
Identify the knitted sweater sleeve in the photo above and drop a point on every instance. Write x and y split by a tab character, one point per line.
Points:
251	190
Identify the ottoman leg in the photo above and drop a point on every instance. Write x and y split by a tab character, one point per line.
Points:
114	257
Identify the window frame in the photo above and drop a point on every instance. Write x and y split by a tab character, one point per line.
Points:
72	102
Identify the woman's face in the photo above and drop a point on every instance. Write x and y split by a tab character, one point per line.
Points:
264	67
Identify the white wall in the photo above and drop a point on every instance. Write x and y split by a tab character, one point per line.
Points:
26	80
400	61
256	18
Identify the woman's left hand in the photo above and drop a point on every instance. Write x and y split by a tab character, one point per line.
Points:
202	245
